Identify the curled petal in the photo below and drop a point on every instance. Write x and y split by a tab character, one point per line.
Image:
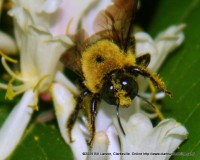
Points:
68	21
144	44
90	15
13	128
166	42
50	6
33	12
64	103
7	44
142	137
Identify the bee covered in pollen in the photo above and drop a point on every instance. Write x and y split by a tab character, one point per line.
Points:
107	65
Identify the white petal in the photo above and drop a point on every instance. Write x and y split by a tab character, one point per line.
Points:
166	42
40	53
22	20
7	44
38	11
144	44
69	15
62	79
88	19
169	135
64	103
142	137
50	6
114	145
13	128
106	112
100	146
136	130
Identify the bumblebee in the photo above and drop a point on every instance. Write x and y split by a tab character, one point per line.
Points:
107	65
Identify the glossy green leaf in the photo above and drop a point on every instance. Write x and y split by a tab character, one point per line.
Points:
42	142
181	69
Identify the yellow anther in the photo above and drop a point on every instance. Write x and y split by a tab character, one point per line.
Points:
34	107
10	93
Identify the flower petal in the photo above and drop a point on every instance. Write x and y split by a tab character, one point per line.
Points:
144	44
67	18
40	53
16	123
114	145
7	44
166	42
33	12
100	146
142	137
64	103
90	16
62	79
50	6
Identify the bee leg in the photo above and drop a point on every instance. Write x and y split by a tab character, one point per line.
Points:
91	117
153	77
72	119
153	101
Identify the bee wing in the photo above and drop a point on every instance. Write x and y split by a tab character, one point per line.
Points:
117	19
72	57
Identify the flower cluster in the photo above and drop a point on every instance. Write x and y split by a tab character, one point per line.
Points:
40	27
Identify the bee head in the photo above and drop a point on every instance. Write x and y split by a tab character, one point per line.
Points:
120	89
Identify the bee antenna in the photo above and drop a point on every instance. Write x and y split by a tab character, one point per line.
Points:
119	121
144	99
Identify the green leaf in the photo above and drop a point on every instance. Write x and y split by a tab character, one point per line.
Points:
42	142
181	69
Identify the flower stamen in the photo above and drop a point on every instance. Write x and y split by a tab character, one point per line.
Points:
39	82
8	58
7	68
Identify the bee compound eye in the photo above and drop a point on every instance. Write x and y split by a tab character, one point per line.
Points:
108	93
130	86
123	83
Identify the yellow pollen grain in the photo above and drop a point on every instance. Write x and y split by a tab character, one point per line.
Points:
36	138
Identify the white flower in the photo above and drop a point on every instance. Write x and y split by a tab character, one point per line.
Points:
141	137
39	59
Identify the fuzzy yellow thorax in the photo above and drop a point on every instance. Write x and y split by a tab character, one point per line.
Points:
100	59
